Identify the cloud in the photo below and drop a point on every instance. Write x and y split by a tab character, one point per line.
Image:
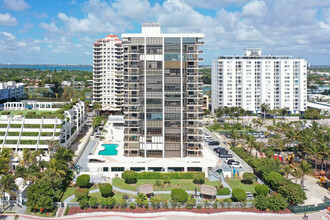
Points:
7	36
255	8
7	19
211	4
26	27
49	27
16	5
40	15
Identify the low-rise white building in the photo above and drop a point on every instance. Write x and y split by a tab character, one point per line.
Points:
11	90
57	121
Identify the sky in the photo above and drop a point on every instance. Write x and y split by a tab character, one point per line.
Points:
63	31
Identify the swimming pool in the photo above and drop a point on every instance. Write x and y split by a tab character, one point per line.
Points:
110	150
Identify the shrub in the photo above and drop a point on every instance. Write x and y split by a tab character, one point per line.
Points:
83	203
199	206
159	175
179	195
111	201
261	189
223	191
81	193
106	189
93	202
129	176
158	183
215	204
238	195
261	202
123	203
248	178
293	193
155	203
199	178
146	204
83	181
190	203
140	199
103	202
167	179
132	205
5	113
277	202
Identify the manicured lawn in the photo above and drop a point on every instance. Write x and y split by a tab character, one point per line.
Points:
68	192
15	112
117	196
175	183
236	183
38	214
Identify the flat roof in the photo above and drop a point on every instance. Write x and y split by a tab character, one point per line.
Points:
318	106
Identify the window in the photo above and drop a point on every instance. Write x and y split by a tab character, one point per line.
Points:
105	169
117	169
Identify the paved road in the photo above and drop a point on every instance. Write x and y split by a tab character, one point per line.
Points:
182	216
82	162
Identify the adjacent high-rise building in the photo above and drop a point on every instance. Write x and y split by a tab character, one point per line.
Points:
108	73
162	93
252	79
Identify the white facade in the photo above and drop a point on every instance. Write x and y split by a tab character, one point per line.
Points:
108	73
250	80
18	131
11	90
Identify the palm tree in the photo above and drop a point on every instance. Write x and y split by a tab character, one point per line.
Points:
5	157
264	108
219	112
314	151
293	135
250	140
305	168
284	111
56	169
52	146
27	158
324	149
97	106
297	173
7	183
287	169
235	136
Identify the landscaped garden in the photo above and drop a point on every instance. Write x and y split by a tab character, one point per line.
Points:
238	183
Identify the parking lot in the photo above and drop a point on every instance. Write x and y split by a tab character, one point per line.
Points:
241	168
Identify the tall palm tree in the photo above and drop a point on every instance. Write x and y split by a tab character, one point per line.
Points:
250	140
284	111
305	169
97	106
5	157
297	173
264	108
219	112
27	158
235	136
7	183
314	151
292	135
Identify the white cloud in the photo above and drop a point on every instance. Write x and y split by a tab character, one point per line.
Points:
255	8
26	27
7	36
16	5
212	4
7	19
49	27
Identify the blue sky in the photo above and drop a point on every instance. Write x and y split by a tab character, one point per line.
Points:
62	31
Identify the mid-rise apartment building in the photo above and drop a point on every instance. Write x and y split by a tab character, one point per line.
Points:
11	90
108	73
252	79
162	94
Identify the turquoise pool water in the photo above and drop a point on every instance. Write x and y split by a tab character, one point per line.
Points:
110	150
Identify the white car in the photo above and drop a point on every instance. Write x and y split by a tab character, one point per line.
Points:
235	165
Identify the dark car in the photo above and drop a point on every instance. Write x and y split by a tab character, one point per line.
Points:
230	161
220	149
214	143
225	156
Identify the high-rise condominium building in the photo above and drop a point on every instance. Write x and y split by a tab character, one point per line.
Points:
108	73
162	98
250	80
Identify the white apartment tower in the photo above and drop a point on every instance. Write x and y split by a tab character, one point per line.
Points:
252	79
108	73
162	98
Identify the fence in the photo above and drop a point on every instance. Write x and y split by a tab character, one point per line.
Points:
311	208
170	205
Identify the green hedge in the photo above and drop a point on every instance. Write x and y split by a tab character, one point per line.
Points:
238	195
223	191
5	113
83	181
30	142
3	125
179	195
15	125
2	133
33	134
31	126
46	133
13	133
172	175
48	126
11	142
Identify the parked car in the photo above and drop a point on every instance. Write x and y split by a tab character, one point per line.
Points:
235	164
229	161
214	143
220	149
225	155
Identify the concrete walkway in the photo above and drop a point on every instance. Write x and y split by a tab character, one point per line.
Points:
82	162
